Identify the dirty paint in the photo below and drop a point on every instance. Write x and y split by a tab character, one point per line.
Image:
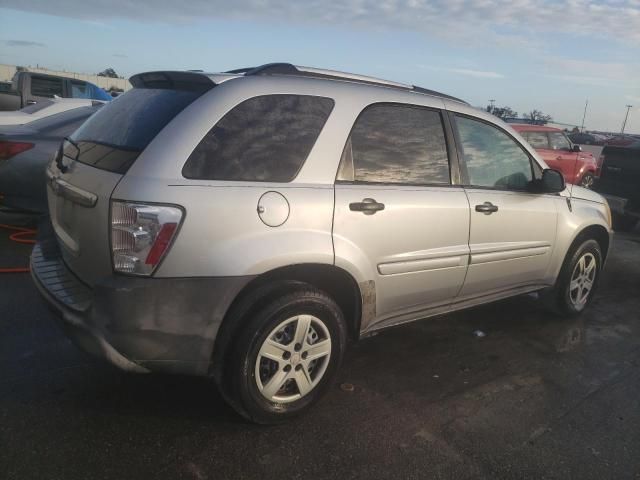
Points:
368	292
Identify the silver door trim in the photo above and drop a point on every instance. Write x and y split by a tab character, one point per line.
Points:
424	264
496	252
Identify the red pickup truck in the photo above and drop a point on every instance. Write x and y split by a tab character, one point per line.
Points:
559	153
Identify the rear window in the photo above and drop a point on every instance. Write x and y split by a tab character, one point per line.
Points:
46	86
263	139
124	127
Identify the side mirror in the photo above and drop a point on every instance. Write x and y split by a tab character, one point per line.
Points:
552	181
576	148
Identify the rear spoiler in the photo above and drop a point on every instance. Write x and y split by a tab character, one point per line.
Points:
173	81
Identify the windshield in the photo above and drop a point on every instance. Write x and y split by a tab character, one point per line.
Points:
53	121
36	107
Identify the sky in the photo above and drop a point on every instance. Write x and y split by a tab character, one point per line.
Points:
525	54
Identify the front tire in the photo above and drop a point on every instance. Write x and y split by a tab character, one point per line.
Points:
286	355
578	279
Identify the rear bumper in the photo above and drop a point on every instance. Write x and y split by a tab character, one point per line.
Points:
137	324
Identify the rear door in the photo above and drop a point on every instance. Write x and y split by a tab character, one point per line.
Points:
397	212
91	163
512	231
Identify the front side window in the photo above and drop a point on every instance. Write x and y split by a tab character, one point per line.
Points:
537	139
46	87
559	141
263	139
493	159
396	144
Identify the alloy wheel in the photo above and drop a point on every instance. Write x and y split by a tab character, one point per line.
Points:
587	181
582	280
293	359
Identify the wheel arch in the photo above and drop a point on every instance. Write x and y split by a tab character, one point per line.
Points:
333	280
595	232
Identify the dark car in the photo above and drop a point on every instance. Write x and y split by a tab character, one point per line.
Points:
25	151
584	138
619	183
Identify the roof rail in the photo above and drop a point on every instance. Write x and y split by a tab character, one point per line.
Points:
290	69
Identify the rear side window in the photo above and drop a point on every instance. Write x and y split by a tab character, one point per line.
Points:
46	87
124	127
396	144
263	139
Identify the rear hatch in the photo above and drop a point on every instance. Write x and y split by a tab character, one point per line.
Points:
94	159
620	175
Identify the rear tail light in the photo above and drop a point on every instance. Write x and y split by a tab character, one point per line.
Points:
10	149
141	235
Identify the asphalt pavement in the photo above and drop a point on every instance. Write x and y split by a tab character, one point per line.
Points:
536	397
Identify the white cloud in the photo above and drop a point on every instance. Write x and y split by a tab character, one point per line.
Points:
497	21
475	73
600	74
465	71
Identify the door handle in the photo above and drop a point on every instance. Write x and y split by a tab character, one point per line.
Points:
368	206
487	208
31	102
558	158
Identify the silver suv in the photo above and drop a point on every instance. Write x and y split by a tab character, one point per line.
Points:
247	225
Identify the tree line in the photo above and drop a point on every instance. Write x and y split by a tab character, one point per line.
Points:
534	116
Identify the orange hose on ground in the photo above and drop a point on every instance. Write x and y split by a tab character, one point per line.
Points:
17	237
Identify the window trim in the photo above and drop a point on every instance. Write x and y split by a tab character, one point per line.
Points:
302	164
466	182
454	174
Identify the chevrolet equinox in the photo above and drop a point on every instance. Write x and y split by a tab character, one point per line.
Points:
247	225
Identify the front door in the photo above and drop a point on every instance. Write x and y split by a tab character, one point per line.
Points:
397	217
512	231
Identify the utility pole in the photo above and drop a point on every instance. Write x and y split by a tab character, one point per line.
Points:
584	114
624	124
492	102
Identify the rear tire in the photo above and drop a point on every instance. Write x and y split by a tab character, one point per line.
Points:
578	279
286	355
